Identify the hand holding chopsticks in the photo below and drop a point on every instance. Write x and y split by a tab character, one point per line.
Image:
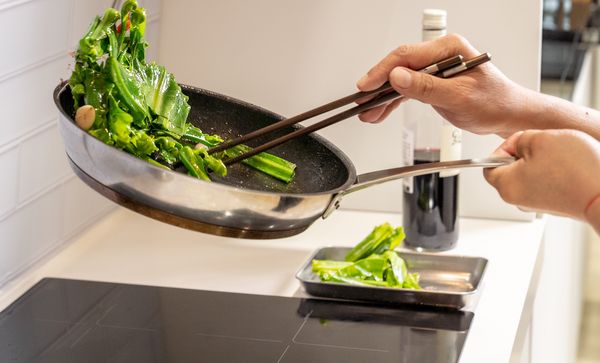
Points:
445	68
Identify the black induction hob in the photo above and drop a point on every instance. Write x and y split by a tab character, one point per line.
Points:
65	321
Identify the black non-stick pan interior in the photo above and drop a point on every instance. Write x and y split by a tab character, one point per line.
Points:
321	167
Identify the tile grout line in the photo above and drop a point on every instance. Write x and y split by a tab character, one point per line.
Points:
89	222
9	4
32	198
19	187
63	242
17	146
32	66
56	184
40	129
10	145
36	130
53	57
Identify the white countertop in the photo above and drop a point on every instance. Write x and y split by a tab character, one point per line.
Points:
128	248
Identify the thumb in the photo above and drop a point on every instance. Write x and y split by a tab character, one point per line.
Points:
504	178
421	86
507	148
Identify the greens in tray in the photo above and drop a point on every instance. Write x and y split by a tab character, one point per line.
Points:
372	262
138	107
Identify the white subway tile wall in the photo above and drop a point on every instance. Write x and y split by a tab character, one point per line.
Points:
28	97
30	232
152	33
32	32
80	206
42	203
42	162
9	162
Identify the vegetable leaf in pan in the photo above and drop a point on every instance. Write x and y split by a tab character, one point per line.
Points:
139	107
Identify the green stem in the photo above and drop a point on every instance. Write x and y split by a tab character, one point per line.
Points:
267	163
192	163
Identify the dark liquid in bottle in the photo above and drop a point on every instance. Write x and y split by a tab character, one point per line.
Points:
430	212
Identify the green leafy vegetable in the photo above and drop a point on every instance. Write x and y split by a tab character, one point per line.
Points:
163	96
372	262
194	165
267	163
369	243
390	242
140	108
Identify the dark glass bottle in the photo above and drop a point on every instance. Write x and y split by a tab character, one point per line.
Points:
430	203
430	212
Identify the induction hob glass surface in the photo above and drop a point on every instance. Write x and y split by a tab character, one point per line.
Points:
82	321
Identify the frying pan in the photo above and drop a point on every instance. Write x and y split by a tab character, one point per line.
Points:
245	203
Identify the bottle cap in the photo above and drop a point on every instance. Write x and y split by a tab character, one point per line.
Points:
434	19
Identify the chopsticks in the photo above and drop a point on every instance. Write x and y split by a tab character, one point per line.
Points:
445	68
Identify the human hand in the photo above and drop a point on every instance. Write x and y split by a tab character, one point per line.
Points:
482	100
557	171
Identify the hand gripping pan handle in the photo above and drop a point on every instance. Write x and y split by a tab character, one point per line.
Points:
377	177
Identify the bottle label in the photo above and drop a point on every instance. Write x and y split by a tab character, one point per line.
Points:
408	155
451	147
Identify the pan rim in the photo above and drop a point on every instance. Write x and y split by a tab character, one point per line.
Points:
351	179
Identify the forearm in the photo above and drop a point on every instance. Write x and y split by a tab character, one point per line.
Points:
540	111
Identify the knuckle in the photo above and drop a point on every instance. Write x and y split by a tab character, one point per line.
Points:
538	141
393	59
458	40
460	44
403	50
525	151
535	139
528	142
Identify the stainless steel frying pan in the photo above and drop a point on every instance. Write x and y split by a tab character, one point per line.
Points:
246	203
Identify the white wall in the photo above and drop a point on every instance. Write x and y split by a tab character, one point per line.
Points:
42	204
289	56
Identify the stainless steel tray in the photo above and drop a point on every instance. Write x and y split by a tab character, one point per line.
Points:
448	281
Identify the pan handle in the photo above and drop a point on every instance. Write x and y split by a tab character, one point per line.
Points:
377	177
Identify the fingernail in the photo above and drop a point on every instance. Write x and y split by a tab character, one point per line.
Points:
361	82
401	77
